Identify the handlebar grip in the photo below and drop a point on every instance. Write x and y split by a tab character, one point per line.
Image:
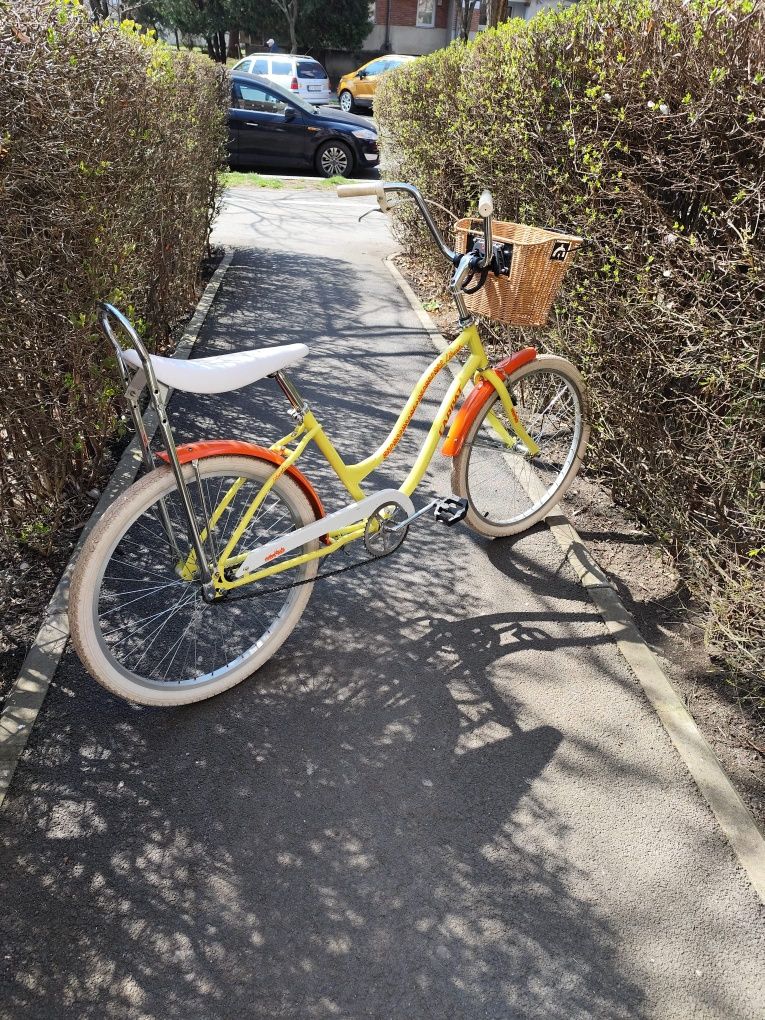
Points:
485	204
375	188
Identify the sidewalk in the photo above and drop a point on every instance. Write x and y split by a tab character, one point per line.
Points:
446	797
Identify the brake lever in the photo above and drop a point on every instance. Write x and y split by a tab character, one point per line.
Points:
373	209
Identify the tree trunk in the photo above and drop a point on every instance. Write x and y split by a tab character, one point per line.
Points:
216	47
100	9
497	11
292	20
466	9
289	9
233	43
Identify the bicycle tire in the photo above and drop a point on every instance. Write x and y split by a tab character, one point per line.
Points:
507	491
144	563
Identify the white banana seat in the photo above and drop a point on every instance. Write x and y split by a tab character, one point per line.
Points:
222	373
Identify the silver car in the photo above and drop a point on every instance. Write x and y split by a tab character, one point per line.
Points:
303	76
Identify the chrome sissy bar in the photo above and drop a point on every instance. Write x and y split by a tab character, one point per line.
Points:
145	377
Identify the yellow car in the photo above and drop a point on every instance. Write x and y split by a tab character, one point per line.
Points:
357	89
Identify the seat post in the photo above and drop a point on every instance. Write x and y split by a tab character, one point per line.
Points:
290	392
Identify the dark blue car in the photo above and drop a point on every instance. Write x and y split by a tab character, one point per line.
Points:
269	126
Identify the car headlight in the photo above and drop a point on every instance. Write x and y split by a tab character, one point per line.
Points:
365	135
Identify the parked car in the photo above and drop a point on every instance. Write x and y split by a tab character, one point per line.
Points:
270	126
358	87
302	75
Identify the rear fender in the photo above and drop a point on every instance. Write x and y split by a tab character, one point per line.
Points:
234	447
478	397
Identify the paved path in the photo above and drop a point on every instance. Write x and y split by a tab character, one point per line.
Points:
445	798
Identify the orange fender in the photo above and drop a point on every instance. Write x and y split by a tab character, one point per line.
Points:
478	397
223	447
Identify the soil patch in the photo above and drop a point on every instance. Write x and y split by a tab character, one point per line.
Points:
652	589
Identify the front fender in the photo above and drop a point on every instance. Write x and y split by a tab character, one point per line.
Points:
478	397
235	447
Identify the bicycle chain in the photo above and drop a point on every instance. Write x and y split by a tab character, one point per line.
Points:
227	600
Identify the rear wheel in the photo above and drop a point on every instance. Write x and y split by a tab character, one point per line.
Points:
508	490
334	159
346	101
142	628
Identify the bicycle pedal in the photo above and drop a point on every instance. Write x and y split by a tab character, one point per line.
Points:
450	510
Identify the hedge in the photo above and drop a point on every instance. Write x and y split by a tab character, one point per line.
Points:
109	156
639	124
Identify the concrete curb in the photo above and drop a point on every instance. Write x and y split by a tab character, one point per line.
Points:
732	814
28	692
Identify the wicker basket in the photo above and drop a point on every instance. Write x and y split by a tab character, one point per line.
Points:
540	259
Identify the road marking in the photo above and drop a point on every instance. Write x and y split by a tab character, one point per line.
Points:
28	692
732	814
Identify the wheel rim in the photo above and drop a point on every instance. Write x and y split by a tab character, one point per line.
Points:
345	101
153	626
334	161
504	485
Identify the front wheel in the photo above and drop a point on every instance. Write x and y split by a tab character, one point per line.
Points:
347	105
508	490
334	159
138	619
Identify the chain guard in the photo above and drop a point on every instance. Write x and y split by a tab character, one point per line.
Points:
261	592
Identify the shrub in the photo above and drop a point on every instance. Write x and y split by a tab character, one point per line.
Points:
639	124
109	155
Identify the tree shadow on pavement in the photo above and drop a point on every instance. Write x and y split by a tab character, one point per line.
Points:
352	833
363	829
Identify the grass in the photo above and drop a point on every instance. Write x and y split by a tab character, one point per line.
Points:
235	178
232	178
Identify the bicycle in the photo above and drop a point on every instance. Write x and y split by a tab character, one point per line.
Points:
200	570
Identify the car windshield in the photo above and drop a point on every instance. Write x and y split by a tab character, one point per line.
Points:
310	69
292	97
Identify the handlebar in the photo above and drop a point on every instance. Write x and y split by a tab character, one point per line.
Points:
380	189
465	266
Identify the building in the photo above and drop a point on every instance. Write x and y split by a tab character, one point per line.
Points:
421	26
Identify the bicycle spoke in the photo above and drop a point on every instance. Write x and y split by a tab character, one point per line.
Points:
156	624
159	630
149	593
550	410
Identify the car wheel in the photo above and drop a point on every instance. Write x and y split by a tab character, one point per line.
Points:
346	101
334	159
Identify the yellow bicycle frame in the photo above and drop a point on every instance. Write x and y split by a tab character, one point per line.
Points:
352	475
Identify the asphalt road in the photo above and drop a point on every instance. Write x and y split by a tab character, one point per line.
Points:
446	797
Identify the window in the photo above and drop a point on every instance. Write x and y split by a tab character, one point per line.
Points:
426	13
375	68
260	66
310	69
257	99
281	67
246	65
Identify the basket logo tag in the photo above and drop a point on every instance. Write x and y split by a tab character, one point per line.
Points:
560	251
